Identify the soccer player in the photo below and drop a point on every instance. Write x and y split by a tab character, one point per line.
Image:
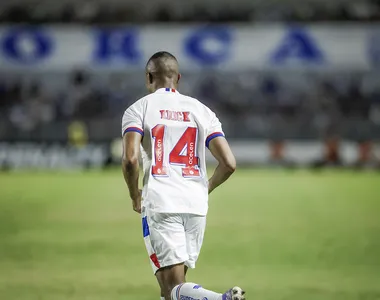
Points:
171	132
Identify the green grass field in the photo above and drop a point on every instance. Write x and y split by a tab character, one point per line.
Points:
280	235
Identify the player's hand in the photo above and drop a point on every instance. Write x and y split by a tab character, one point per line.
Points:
136	202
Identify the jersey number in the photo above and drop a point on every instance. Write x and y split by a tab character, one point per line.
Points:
183	153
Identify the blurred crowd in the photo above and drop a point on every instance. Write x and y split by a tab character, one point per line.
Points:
105	12
251	104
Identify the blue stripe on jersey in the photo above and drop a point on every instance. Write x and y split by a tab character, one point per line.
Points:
212	136
145	227
135	129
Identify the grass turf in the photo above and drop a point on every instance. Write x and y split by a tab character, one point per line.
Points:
280	235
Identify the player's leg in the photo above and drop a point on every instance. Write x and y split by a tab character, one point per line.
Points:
165	240
190	290
194	230
169	277
164	236
162	287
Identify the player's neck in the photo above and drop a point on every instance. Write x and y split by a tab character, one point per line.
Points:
164	85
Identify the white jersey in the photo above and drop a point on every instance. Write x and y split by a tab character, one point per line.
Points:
176	130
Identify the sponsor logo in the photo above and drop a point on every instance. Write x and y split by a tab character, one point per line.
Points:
188	298
191	298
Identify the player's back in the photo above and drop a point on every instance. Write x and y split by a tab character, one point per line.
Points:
176	130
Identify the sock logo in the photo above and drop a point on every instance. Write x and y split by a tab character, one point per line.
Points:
188	298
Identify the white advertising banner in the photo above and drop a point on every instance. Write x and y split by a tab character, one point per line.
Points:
227	47
19	156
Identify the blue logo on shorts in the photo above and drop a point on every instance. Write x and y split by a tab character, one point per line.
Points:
145	227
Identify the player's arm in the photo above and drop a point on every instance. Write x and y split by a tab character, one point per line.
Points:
220	149
130	166
132	132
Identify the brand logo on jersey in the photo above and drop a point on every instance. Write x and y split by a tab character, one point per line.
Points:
181	116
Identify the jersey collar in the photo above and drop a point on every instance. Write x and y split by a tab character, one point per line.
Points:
166	90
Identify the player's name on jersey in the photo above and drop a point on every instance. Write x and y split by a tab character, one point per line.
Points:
181	116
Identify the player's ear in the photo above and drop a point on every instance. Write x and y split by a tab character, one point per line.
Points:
179	77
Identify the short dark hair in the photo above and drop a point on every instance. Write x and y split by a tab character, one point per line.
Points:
163	66
161	55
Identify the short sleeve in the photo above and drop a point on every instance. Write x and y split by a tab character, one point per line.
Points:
133	119
214	129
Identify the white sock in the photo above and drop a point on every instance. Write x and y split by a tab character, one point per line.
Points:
162	298
193	290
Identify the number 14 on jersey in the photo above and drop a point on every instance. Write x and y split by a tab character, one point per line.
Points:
183	153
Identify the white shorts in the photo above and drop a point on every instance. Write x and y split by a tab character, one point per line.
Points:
172	239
